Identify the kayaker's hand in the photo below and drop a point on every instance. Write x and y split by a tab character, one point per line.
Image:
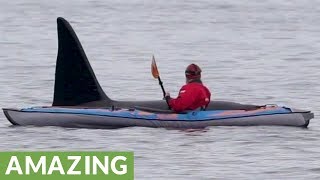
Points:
167	96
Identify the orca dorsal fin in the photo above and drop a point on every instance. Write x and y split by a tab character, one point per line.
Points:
75	81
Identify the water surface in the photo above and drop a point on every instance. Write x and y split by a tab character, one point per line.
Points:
259	52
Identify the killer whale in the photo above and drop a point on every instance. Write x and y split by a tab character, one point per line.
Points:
77	85
75	81
79	101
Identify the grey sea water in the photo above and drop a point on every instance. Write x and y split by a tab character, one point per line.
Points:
260	52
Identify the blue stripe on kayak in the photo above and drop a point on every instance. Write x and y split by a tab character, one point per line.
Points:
137	114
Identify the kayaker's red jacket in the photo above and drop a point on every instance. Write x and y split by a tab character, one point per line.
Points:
191	96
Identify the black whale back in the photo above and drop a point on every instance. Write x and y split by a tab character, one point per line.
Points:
76	84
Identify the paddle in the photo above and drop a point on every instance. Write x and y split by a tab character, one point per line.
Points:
156	75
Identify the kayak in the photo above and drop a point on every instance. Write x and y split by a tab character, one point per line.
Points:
118	118
79	101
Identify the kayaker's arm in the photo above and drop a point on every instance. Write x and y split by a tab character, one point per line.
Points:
184	100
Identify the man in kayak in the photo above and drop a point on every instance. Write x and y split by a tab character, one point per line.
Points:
193	95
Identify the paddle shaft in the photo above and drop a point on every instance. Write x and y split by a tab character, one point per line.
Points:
155	73
161	85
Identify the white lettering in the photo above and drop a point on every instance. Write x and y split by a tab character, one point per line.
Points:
123	167
87	165
96	161
41	163
55	161
74	164
17	167
92	165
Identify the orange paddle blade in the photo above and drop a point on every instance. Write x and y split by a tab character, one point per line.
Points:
154	68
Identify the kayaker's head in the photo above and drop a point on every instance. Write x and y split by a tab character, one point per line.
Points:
193	73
